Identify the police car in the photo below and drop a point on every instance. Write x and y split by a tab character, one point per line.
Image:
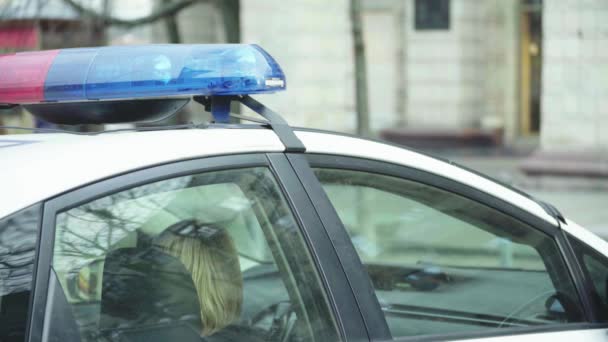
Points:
257	231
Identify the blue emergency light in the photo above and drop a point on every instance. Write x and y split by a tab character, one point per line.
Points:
100	84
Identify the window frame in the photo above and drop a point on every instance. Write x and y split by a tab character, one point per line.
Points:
320	160
341	299
571	241
37	208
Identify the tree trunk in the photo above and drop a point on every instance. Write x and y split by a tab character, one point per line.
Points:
173	35
361	95
230	10
231	16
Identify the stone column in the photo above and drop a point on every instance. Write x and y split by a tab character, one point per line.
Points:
574	119
311	40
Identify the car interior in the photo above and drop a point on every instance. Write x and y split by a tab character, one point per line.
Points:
133	291
120	287
442	264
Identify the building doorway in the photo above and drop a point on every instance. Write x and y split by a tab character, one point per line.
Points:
530	66
381	36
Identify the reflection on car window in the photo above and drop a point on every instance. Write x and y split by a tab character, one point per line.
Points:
18	234
214	256
441	263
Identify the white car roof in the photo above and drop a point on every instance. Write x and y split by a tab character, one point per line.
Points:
318	142
36	167
40	166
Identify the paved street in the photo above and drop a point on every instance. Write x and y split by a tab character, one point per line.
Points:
586	207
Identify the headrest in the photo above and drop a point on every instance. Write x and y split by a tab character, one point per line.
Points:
193	229
147	287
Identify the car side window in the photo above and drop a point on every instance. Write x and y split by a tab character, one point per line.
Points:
441	263
595	267
18	234
215	256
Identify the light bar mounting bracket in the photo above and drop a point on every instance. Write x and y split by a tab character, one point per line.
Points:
219	106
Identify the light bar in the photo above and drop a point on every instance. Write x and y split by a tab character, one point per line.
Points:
137	72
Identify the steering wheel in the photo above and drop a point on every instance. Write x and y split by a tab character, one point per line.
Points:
282	321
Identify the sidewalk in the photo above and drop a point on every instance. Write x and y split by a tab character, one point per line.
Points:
586	207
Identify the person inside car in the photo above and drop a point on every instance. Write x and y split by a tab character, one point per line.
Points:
185	285
209	254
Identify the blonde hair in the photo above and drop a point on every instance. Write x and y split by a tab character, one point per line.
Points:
214	265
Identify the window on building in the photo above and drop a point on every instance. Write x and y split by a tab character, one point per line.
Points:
18	233
214	254
441	263
432	14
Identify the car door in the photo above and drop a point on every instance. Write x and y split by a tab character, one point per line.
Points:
449	261
223	248
18	235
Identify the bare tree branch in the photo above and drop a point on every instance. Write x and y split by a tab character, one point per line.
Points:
71	249
166	10
93	243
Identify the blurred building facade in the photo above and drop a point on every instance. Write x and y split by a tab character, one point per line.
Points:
451	72
445	73
574	129
199	23
456	77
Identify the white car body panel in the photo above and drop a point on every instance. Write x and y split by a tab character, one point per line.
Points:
317	142
320	142
586	236
595	335
54	163
36	167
